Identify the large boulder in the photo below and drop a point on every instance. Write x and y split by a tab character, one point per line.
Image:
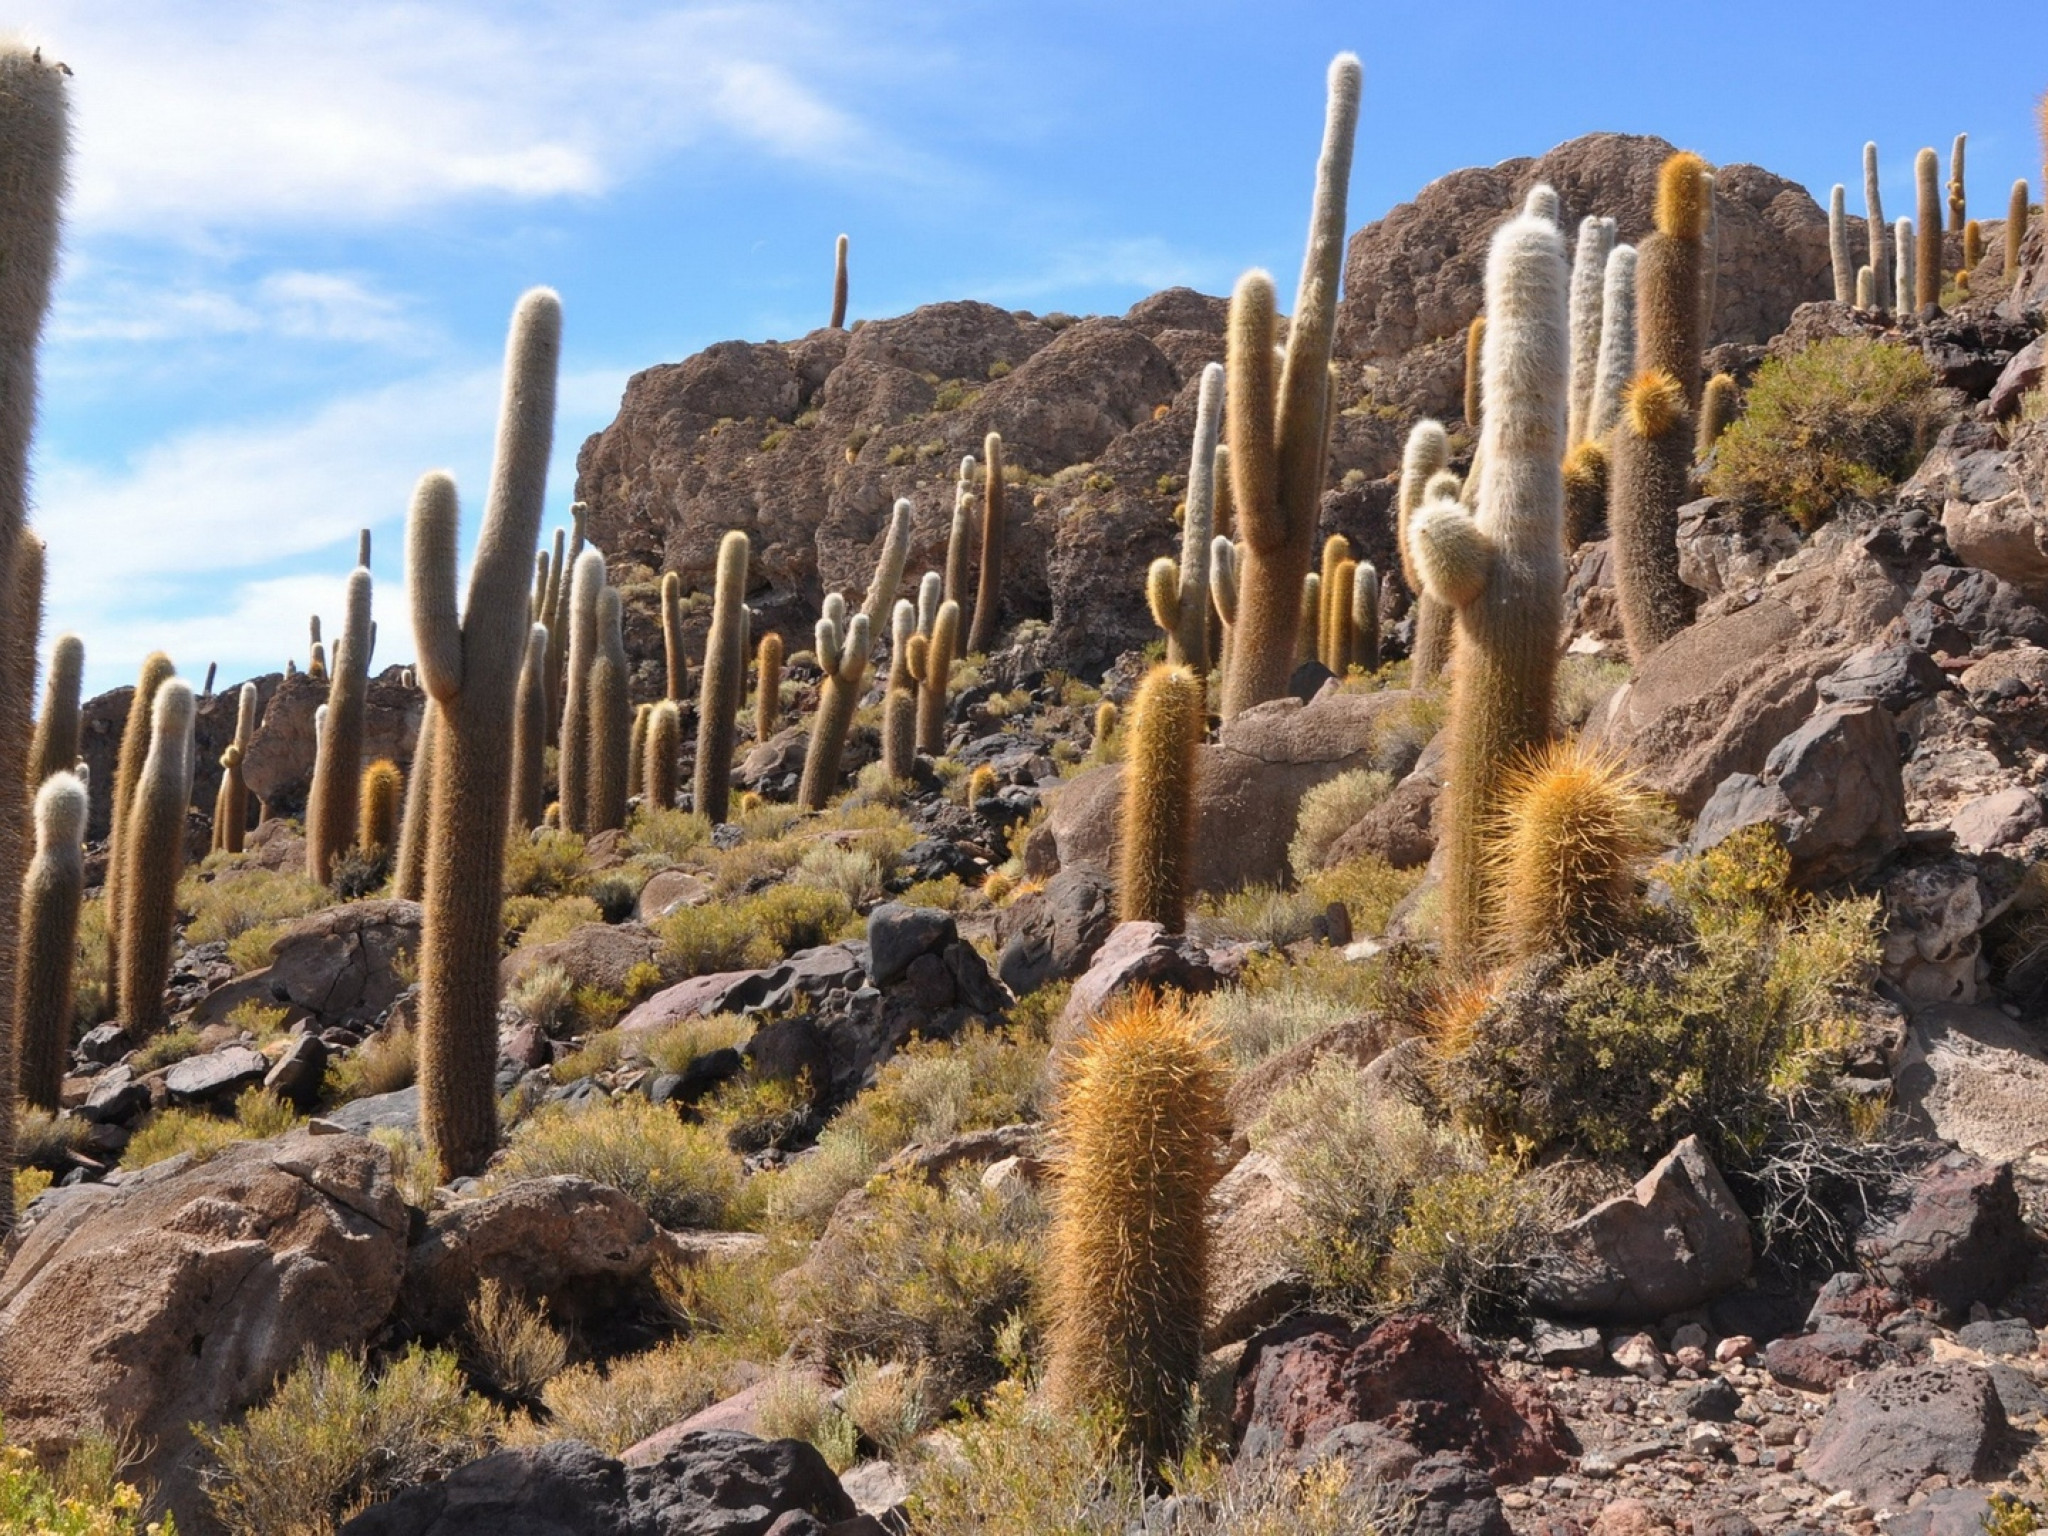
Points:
103	718
1957	1238
599	955
1051	934
1674	1242
279	765
1992	493
1254	1276
1248	786
179	1295
1974	1077
1886	1435
1414	279
711	1483
343	965
1135	955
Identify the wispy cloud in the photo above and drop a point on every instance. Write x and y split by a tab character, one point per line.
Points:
209	115
99	307
1143	263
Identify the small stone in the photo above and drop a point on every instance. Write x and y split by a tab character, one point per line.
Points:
1688	1336
1555	1344
1737	1346
2000	1336
1638	1355
1707	1440
1710	1402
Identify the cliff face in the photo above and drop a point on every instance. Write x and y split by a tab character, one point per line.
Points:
806	444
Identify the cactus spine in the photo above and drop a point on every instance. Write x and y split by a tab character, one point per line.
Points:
960	537
724	682
1475	342
1181	604
767	687
1669	274
672	636
231	807
1585	492
1157	831
1428	450
611	719
1279	439
2015	229
1140	1119
383	788
1502	567
1653	449
839	284
51	895
156	671
470	664
55	749
1958	206
331	804
1880	232
888	577
935	678
586	580
1902	267
842	645
1574	832
664	744
1927	217
154	853
1838	245
988	595
1589	275
1365	616
529	738
1617	340
409	878
1717	411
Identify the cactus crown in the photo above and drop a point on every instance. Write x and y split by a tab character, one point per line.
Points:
1653	402
1684	197
61	806
1586	465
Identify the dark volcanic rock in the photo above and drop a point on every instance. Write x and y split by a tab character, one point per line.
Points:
1883	1437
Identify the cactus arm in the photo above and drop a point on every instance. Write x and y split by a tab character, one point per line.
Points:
430	576
1451	555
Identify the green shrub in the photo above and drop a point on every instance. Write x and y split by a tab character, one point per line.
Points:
237	901
384	1063
682	1175
165	1050
85	1498
1368	886
546	863
508	1345
258	1116
890	1404
946	893
1329	811
1277	1002
1847	417
558	919
718	936
674	1048
621	1404
1260	914
1022	1468
92	993
795	1405
672	834
546	995
330	1442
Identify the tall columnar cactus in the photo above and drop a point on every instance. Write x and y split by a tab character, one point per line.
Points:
636	751
1157	834
1223	560
935	677
1880	232
154	855
2015	229
231	806
1717	412
1139	1124
383	790
988	593
316	654
960	538
672	636
1902	266
1589	276
1475	400
1669	273
1336	551
528	797
1710	258
1502	567
1617	340
331	804
156	671
1100	742
1181	604
557	620
572	759
1653	449
1585	492
1365	616
611	718
724	681
1958	203
902	629
55	749
664	745
1309	618
1973	245
1428	450
1843	264
470	664
1279	438
889	561
1866	288
767	686
409	875
51	895
1576	832
538	604
1927	218
1337	623
842	645
931	591
899	712
839	284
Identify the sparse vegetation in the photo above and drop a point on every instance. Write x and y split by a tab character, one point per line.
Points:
683	1175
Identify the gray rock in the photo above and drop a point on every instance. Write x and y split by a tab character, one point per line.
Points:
104	1043
299	1072
1448	1496
117	1096
1977	1078
1885	1435
1893	676
218	1075
1960	1238
398	1111
1944	1512
2000	1336
343	965
1556	1344
1052	933
1671	1244
1710	1402
1134	955
898	934
1997	819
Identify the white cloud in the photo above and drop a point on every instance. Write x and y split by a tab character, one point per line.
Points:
100	306
179	549
1146	263
208	115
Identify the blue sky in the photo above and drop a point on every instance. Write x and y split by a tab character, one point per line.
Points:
296	229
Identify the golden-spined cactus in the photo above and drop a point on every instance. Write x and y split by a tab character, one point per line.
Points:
1669	274
935	677
838	322
51	896
1475	402
55	748
154	854
1927	222
842	647
1574	833
1585	492
156	671
678	664
1365	616
331	803
1426	455
1178	590
529	738
658	781
1718	404
988	594
1156	833
724	682
767	686
1653	448
383	789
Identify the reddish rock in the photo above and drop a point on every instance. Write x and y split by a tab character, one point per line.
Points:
1820	1362
1959	1240
1313	1374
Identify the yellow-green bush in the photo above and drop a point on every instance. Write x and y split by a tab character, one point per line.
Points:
85	1498
1368	886
1329	811
385	1062
546	864
546	994
674	1048
165	1050
92	992
1022	1468
682	1175
331	1441
796	1405
672	834
558	919
235	902
744	935
508	1345
258	1116
1277	1002
1847	417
